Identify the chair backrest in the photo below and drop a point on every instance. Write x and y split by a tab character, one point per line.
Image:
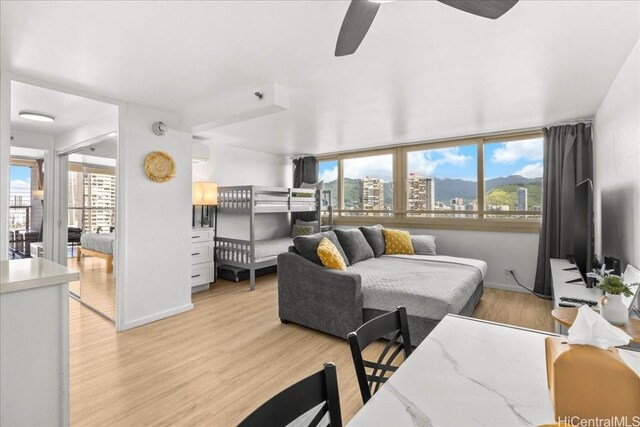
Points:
300	398
393	325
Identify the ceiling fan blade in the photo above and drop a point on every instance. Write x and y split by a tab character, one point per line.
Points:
356	23
492	9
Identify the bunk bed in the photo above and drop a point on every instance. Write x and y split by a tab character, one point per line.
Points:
252	200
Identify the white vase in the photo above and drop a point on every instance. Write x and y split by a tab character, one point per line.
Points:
614	310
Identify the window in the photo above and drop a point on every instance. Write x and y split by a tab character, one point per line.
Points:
513	178
442	181
91	198
329	174
367	185
19	197
481	183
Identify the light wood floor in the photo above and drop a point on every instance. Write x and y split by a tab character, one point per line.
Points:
213	365
96	287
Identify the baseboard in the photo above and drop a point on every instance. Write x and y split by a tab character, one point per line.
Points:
156	317
504	287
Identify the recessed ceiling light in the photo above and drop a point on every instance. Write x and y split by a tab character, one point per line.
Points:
36	117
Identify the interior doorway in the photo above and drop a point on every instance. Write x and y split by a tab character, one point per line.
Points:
64	151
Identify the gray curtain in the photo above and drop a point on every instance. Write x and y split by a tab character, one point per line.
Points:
567	162
305	169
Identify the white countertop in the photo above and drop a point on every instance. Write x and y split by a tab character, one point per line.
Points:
469	373
29	273
561	275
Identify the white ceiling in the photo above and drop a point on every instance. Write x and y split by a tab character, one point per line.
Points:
70	111
424	71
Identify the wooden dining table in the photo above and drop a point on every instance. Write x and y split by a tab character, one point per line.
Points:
470	372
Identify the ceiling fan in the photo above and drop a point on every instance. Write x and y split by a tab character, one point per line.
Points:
361	13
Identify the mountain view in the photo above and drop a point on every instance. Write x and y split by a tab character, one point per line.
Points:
500	191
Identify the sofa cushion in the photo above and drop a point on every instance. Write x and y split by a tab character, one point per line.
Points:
330	256
375	238
354	244
307	246
397	242
424	244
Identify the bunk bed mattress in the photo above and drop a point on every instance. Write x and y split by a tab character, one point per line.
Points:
270	248
98	242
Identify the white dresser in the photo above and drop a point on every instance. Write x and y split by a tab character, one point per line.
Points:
203	268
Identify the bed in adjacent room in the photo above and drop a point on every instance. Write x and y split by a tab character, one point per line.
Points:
98	245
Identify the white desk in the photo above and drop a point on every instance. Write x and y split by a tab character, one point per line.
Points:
469	373
561	288
34	342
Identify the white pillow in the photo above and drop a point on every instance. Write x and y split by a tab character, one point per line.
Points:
424	244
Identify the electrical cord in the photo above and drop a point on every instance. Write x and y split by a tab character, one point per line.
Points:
524	287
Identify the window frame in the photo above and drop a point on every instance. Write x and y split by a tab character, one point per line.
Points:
399	217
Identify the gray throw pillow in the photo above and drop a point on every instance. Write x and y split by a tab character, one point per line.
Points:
307	246
424	244
354	244
375	238
302	230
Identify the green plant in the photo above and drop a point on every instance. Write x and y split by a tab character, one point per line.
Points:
612	284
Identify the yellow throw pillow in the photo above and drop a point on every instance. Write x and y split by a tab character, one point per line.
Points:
330	256
397	242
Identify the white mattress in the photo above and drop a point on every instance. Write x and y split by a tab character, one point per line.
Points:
272	247
99	242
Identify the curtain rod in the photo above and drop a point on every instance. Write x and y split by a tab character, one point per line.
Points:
587	122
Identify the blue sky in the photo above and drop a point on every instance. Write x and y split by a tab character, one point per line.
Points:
501	159
20	176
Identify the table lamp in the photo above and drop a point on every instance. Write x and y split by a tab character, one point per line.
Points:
204	194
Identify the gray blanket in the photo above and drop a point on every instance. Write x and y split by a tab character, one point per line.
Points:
99	242
272	247
427	287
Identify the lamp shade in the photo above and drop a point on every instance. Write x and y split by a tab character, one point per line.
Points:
37	194
205	194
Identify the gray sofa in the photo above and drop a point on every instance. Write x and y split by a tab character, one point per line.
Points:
338	302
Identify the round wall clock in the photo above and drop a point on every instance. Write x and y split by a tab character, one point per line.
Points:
159	166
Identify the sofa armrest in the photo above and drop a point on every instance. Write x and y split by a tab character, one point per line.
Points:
317	297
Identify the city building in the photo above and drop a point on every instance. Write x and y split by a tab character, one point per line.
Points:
372	193
521	199
420	193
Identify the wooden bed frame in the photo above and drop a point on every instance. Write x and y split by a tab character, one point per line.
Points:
108	257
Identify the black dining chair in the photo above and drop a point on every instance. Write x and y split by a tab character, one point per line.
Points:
300	398
393	325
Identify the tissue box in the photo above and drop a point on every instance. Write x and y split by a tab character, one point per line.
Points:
589	383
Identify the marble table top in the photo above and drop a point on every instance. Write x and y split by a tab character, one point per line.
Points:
469	372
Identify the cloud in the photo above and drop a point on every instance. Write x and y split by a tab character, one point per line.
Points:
374	166
329	175
511	152
19	184
426	162
533	170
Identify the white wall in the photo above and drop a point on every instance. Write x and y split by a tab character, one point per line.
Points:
617	166
230	166
99	126
157	221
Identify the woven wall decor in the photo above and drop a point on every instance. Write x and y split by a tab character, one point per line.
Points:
159	166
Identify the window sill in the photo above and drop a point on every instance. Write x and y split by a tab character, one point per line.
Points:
464	224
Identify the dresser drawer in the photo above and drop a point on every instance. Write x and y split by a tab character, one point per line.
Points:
202	235
201	253
202	274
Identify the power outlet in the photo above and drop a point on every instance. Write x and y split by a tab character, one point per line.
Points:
507	271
